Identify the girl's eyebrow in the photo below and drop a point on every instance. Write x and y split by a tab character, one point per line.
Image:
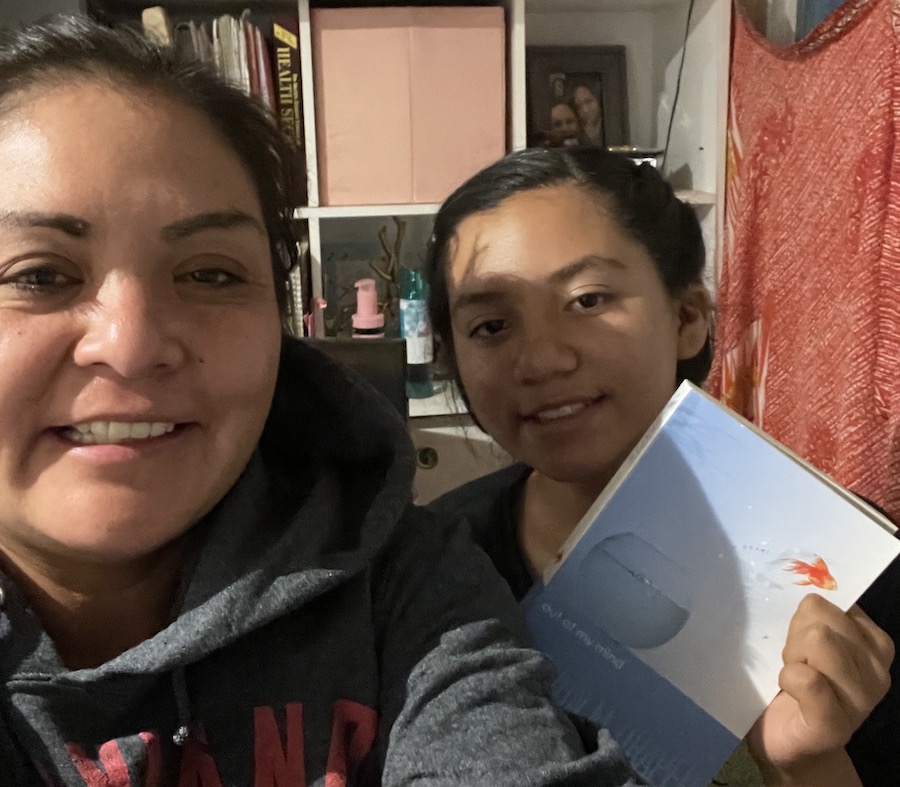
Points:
475	298
64	222
591	262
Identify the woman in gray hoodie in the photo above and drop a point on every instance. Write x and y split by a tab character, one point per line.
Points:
210	569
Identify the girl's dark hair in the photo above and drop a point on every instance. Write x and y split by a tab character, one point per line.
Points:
67	48
642	203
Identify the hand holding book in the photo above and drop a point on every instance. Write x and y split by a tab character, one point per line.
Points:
836	670
690	605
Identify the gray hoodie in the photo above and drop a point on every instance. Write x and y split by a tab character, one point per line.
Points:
327	633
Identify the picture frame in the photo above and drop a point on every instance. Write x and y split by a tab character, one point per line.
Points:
576	95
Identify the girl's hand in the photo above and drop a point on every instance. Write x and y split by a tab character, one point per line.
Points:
836	670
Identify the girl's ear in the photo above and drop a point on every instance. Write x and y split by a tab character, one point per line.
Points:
694	316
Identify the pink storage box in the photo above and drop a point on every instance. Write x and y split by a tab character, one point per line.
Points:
409	101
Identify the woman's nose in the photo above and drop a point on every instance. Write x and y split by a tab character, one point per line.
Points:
130	329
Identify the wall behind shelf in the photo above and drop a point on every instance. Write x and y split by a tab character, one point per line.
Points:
697	147
14	12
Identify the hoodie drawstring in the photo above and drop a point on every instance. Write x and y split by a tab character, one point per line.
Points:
183	707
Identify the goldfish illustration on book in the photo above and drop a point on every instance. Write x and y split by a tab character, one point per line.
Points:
815	573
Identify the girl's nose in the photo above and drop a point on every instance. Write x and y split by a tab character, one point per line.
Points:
544	355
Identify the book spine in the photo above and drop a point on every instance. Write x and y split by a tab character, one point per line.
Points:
248	31
285	33
299	286
285	39
264	71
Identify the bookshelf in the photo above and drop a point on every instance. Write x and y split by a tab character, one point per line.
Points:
653	34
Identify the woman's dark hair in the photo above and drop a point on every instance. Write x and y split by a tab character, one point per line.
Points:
68	48
642	203
591	85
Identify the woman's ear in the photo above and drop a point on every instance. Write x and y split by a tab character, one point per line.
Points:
694	316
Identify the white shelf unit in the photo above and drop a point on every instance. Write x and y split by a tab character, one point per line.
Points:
653	32
318	216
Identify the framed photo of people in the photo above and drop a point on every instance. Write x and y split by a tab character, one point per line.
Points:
577	95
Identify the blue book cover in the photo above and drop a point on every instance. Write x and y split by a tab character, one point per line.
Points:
667	610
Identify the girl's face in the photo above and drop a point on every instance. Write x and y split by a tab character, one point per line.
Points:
587	105
563	120
565	335
139	332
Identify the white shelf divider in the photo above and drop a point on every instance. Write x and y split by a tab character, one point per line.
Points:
516	81
691	196
696	198
307	93
445	401
356	211
564	6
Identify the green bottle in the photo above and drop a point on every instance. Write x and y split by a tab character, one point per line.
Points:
415	327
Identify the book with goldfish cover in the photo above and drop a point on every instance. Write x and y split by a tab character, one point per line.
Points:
668	607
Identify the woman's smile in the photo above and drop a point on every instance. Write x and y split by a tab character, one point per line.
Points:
118	445
115	432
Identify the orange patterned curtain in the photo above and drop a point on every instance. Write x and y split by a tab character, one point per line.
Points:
808	323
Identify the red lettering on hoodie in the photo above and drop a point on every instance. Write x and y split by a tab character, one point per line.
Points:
114	772
152	759
278	766
352	735
198	768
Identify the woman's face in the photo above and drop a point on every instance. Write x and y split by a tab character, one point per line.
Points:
139	332
565	335
587	106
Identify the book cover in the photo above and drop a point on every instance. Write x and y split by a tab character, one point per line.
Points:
668	607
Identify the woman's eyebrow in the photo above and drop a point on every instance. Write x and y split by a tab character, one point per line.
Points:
80	228
64	222
218	220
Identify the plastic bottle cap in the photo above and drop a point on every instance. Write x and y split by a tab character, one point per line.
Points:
367	316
